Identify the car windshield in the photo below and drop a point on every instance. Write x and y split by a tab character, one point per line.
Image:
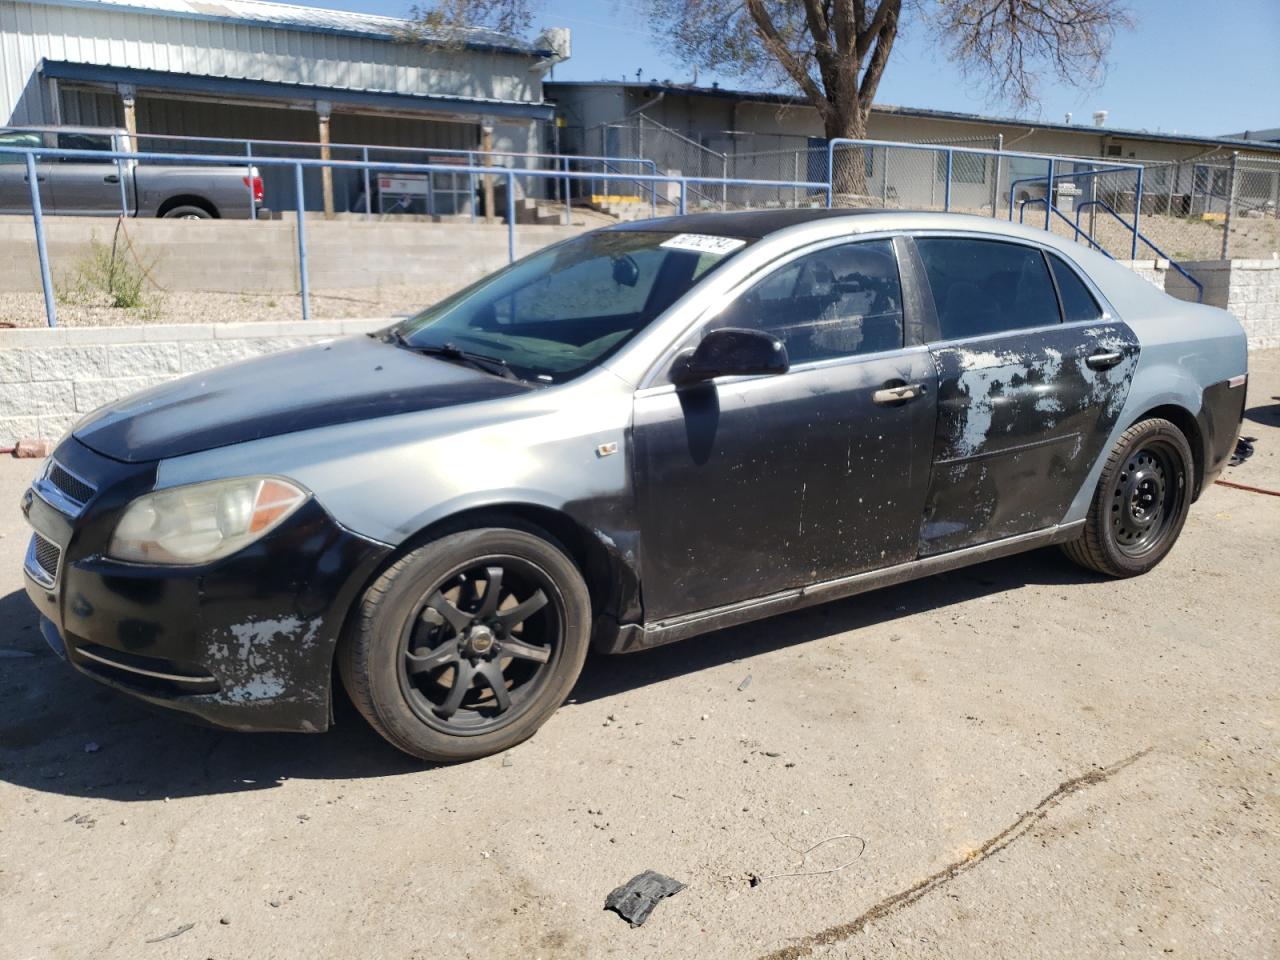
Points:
552	315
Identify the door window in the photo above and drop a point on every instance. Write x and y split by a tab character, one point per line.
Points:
1077	302
85	141
982	287
18	140
837	302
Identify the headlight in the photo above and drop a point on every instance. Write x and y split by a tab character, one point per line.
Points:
202	521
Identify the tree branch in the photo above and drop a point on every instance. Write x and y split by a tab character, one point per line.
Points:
786	58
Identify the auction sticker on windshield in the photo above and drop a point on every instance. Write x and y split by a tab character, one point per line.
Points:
703	243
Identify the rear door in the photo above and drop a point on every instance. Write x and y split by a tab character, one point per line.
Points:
88	187
15	191
1031	380
751	485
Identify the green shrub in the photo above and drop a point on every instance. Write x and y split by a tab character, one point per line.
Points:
106	272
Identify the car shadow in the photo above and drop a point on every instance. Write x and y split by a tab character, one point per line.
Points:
1267	414
607	676
62	733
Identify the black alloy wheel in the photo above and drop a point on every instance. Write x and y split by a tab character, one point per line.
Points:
480	644
466	645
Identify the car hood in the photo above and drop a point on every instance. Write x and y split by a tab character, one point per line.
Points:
353	379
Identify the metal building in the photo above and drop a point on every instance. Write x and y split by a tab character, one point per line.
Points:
247	68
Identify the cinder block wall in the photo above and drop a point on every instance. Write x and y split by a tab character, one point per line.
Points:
1250	289
240	256
51	378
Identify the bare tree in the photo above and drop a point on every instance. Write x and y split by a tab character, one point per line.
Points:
834	52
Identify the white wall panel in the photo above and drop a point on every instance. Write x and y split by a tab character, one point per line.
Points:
30	31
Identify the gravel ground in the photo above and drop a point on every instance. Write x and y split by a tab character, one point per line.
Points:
27	309
1039	762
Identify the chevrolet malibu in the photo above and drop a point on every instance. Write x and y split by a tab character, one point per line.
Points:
638	435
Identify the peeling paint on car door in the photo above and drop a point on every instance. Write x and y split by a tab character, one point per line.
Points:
1022	417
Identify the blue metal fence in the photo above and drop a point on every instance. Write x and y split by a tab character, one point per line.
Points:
684	185
599	172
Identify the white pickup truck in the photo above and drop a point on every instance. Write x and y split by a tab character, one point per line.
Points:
85	187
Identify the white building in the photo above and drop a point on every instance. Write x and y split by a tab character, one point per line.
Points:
246	68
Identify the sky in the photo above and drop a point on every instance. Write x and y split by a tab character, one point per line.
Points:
1186	67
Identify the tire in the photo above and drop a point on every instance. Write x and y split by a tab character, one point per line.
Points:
424	629
187	211
1141	502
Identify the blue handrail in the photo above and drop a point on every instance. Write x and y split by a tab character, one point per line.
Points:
1081	232
1140	236
1022	204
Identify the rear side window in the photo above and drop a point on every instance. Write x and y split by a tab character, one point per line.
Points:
1077	302
837	302
982	287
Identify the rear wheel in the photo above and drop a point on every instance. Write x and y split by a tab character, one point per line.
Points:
466	646
1141	502
187	211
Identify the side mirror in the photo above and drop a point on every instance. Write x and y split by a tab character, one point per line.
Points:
731	351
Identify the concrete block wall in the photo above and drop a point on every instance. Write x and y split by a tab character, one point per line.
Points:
49	379
241	256
1250	289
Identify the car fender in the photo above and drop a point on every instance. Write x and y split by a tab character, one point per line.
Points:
1175	366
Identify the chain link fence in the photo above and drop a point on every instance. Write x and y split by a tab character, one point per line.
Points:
1093	201
1216	206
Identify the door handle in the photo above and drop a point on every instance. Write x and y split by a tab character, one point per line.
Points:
1103	361
39	179
897	395
111	178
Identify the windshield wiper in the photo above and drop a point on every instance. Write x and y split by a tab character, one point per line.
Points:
447	351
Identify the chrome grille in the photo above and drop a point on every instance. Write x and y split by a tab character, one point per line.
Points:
42	560
63	490
72	486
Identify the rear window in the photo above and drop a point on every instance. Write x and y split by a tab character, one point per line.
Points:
982	287
1077	302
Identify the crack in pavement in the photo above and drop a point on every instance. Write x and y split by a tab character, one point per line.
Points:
1001	841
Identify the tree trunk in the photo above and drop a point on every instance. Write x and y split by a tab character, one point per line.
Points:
851	165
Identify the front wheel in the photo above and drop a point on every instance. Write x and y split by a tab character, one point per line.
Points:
465	646
1141	502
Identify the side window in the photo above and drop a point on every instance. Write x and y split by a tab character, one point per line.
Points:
1077	302
985	286
18	140
84	141
837	302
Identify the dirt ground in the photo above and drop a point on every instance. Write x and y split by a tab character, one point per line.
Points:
1020	760
19	309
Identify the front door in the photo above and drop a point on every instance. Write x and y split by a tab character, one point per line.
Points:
89	187
1031	381
751	485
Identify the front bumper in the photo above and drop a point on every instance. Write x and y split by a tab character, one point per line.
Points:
244	643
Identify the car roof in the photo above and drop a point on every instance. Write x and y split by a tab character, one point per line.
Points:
747	224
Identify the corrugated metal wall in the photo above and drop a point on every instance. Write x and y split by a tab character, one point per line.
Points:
31	31
158	116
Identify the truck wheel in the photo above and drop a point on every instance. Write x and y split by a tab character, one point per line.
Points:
467	645
1141	502
188	211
